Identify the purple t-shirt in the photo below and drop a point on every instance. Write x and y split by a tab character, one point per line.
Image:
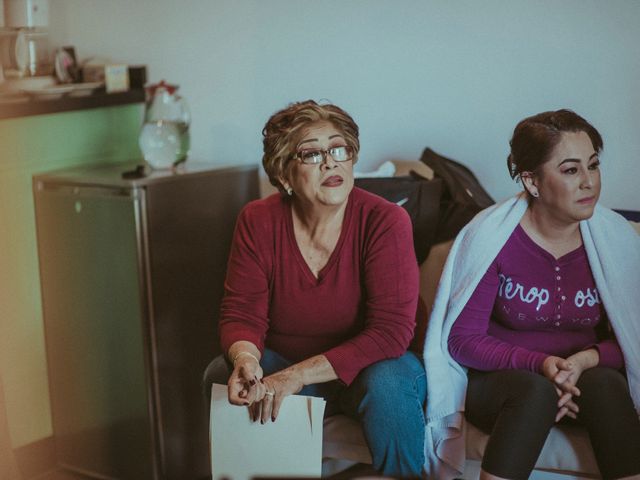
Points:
530	305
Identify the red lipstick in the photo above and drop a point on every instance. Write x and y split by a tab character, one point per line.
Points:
333	181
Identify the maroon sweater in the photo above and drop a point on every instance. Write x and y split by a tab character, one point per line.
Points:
530	305
360	309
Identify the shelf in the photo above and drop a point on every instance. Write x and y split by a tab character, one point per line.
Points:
26	106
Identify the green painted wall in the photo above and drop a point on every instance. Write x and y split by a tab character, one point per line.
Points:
31	145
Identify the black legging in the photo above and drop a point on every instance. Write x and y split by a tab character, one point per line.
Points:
518	409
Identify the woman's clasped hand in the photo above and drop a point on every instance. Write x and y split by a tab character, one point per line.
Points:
565	373
561	372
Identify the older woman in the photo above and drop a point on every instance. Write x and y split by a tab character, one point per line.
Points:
321	292
543	310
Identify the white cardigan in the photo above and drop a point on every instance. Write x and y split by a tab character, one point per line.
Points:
613	250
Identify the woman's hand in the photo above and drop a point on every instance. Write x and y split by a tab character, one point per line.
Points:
567	379
565	375
558	370
276	387
270	391
553	366
244	386
566	406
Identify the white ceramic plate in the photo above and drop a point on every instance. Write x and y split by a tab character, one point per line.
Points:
49	92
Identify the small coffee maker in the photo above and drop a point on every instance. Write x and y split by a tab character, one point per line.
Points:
24	39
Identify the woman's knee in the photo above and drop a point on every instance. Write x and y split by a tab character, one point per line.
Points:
603	389
392	374
602	380
531	389
515	397
385	385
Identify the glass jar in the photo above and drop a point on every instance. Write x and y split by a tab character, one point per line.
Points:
164	138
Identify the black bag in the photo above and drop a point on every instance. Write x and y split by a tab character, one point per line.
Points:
419	197
462	195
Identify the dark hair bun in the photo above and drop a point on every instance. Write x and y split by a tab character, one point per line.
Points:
534	138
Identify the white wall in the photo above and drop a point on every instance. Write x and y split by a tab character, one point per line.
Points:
453	75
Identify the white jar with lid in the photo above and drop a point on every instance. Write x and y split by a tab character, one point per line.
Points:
164	138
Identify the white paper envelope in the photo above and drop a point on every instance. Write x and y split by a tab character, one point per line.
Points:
289	447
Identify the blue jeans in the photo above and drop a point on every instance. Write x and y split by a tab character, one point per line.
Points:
388	398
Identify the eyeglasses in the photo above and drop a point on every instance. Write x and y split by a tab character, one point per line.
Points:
313	156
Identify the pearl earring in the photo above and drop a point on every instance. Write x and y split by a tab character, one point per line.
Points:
535	194
289	191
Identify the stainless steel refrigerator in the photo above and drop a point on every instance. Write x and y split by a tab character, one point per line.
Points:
132	274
